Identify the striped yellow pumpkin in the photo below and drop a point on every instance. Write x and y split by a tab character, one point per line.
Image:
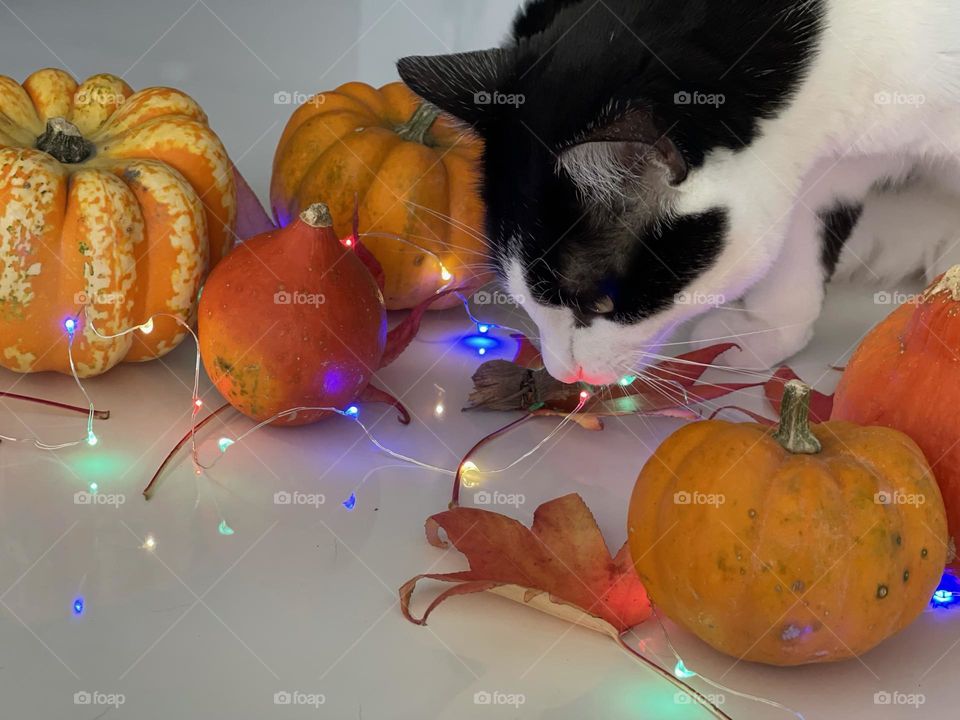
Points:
113	207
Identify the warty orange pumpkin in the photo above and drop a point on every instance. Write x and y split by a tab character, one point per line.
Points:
800	545
414	173
113	205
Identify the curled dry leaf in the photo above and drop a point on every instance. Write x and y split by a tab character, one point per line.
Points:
400	337
821	405
560	565
528	356
669	388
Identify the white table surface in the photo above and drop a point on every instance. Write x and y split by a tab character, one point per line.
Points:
305	599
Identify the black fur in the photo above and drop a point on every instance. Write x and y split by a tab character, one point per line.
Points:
577	64
838	225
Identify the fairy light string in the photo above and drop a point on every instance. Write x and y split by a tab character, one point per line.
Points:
682	672
464	475
74	324
83	320
70	326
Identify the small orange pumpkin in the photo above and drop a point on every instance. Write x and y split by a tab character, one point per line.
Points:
906	375
414	173
113	205
797	546
292	319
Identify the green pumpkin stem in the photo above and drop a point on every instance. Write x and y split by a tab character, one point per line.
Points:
794	430
63	141
417	127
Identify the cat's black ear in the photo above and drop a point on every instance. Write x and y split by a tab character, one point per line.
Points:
459	84
633	139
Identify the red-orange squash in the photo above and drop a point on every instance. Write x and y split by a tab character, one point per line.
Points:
113	205
414	173
292	319
906	375
800	545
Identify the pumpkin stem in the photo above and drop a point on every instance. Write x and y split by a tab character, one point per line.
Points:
317	216
794	430
949	283
64	142
416	128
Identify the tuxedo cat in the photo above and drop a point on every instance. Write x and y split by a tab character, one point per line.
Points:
649	160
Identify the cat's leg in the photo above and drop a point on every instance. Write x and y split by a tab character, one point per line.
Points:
942	250
944	257
775	319
905	229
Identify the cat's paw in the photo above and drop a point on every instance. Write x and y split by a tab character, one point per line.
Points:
761	347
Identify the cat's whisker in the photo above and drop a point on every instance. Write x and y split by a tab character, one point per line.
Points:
421	242
472	232
747	372
705	341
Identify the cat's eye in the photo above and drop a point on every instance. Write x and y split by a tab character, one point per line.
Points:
604	306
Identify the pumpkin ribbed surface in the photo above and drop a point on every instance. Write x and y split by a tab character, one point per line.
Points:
414	173
113	206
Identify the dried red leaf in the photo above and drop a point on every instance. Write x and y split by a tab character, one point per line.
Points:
373	394
506	386
372	264
756	417
403	334
528	356
98	414
821	406
148	490
562	556
366	257
687	369
252	219
705	393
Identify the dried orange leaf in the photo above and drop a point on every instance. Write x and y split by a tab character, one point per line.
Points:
562	556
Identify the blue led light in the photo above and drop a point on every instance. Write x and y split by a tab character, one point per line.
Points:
352	411
351	502
942	597
70	325
78	606
948	592
483	328
481	344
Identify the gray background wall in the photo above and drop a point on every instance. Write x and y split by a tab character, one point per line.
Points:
234	55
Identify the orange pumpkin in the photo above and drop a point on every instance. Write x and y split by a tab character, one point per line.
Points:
796	546
113	204
292	319
906	375
414	173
